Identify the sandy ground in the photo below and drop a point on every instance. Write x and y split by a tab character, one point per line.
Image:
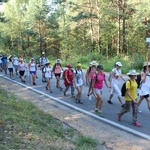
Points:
110	137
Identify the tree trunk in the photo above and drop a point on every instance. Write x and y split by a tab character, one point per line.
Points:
118	44
124	48
91	26
98	28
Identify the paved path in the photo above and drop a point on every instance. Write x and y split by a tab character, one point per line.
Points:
110	111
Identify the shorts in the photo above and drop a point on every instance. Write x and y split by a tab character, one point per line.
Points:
10	70
21	73
32	72
43	69
90	83
57	74
16	66
98	91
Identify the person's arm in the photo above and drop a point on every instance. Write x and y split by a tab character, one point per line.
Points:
111	76
143	77
93	82
86	76
83	77
106	83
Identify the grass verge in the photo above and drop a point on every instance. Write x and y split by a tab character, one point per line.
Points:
24	126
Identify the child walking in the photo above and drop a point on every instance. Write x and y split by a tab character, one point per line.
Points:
48	75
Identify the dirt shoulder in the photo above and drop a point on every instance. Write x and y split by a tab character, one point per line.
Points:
110	137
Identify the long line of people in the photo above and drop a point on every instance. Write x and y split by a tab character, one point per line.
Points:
94	78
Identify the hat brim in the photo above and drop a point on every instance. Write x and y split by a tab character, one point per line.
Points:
47	63
145	64
133	74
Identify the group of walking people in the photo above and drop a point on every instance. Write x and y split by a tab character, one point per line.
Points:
94	77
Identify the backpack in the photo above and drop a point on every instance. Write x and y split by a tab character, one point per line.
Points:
64	72
138	80
123	88
77	71
97	76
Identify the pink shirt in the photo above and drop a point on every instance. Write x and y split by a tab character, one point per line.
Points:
57	69
99	81
91	73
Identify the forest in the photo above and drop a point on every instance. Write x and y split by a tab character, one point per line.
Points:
70	29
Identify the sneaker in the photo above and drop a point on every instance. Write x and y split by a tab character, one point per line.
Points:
51	91
99	113
137	124
109	102
61	88
119	117
77	101
73	96
64	93
122	105
80	102
139	111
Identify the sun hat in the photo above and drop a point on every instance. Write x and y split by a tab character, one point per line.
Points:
43	53
69	66
58	61
132	72
145	64
79	65
100	67
119	63
93	63
47	63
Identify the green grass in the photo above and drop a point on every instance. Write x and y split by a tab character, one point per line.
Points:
24	126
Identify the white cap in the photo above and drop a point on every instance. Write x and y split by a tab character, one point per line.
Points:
43	52
119	63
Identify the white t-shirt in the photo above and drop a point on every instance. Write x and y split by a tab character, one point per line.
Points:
15	61
145	87
32	67
10	65
79	80
43	60
116	76
48	71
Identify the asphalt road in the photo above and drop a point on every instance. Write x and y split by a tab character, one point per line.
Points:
109	111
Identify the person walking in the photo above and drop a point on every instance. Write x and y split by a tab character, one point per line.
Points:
115	76
145	85
10	68
21	68
43	60
32	69
97	85
15	63
57	68
68	80
79	81
48	75
131	97
1	62
4	63
89	74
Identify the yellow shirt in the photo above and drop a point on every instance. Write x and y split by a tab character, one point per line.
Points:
132	86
